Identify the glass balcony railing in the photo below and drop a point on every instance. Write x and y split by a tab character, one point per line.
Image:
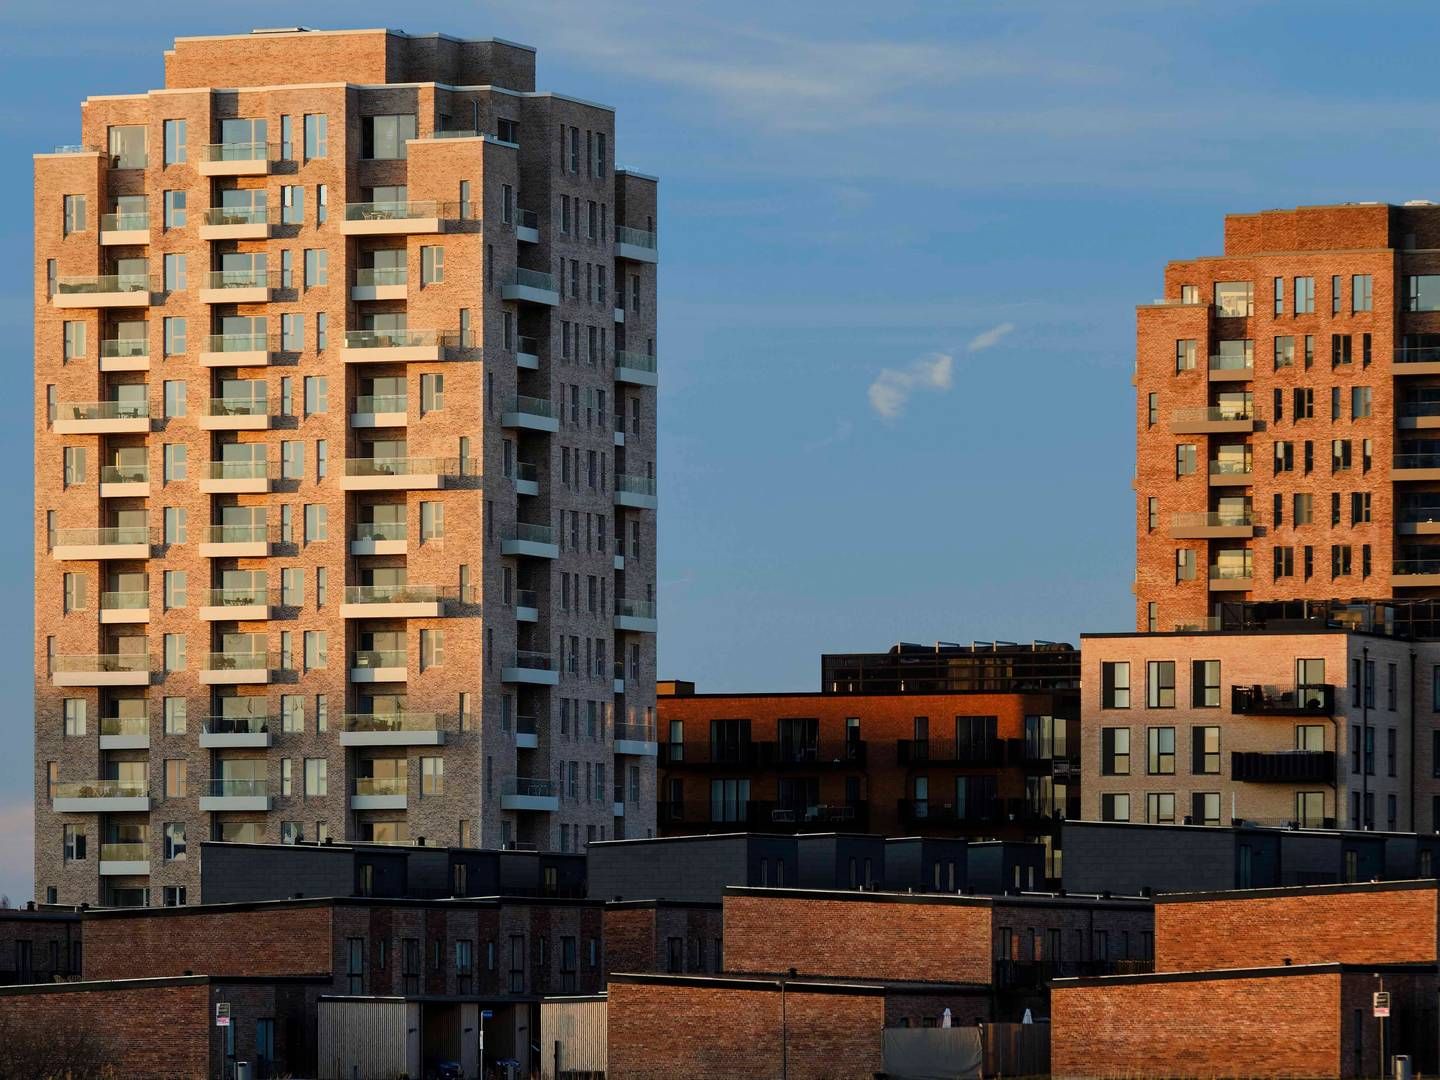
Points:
138	473
635	485
399	594
635	732
533	279
1231	362
1214	519
634	609
635	361
103	410
238	788
235	725
1418	354
234	597
118	347
1214	414
527	472
527	725
634	237
531	786
124	725
115	534
528	345
107	662
239	534
126	852
223	343
100	789
394	339
400	721
532	406
406	466
379	658
535	534
527	219
124	222
1230	467
381	403
400	211
124	600
253	278
239	470
1403	567
1231	572
105	283
381	275
240	151
534	661
380	785
1417	461
258	214
236	660
379	530
526	598
255	405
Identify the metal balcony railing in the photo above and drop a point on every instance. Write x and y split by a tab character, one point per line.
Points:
533	786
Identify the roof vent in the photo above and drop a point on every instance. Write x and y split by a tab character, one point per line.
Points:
1419	202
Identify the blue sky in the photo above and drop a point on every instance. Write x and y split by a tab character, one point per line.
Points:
901	246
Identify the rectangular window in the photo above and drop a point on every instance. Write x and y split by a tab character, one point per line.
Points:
1205	684
74	348
1360	402
432	264
174	335
1115	685
1184	459
1160	808
1160	684
1160	751
432	393
317	267
174	209
1304	296
1115	751
382	138
1205	751
292	204
74	214
175	151
174	462
292	332
317	394
317	526
175	273
317	136
1115	807
1284	352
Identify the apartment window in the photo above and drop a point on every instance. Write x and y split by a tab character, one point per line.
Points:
174	841
1115	807
432	393
322	204
432	649
175	393
432	521
1303	509
1335	294
1152	513
432	776
1335	508
1309	350
174	142
1284	456
432	264
73	459
1152	410
1184	459
1184	564
1279	291
1205	684
174	711
1115	751
74	841
174	336
317	136
382	138
1115	685
292	204
292	459
1284	559
74	598
1160	807
1360	402
1390	752
317	523
74	717
1205	751
174	204
317	778
174	652
74	214
1335	403
1359	507
176	278
322	330
1304	296
1160	751
1284	352
175	531
1304	400
292	332
317	394
176	774
1339	560
1160	684
1204	810
1361	298
1341	350
317	267
175	588
316	650
1391	687
1340	459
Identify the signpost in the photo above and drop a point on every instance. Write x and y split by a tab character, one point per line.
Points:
1381	1008
1382	1003
222	1014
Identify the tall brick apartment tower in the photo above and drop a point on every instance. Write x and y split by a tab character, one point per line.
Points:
345	462
1288	450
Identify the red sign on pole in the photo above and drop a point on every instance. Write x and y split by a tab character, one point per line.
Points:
1382	1003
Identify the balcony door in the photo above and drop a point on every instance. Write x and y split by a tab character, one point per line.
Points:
729	740
799	739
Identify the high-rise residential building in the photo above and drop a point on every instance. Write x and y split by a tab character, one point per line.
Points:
1288	449
345	462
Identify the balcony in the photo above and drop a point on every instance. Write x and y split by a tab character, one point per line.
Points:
531	287
380	283
1420	466
124	860
100	797
1228	472
234	605
527	732
236	223
239	350
122	542
379	665
237	159
101	418
253	286
1421	360
237	732
635	491
536	541
396	601
379	411
529	793
236	541
1418	415
235	668
981	814
221	794
1314	700
1228	578
636	739
391	729
394	346
125	607
1415	573
100	669
236	478
398	474
637	369
378	538
531	413
1418	523
635	615
949	753
124	229
617	683
124	733
527	479
1212	421
124	481
396	218
637	245
527	606
1213	526
1231	368
235	414
104	291
379	793
770	817
125	354
530	668
527	353
767	756
1283	767
527	226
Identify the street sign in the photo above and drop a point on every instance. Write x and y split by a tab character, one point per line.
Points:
1382	1003
222	1014
486	1014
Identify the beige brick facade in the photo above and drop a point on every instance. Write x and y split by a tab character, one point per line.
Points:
476	562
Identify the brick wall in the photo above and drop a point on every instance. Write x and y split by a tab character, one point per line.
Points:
51	942
284	941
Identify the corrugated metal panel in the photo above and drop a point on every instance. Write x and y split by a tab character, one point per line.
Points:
579	1028
367	1038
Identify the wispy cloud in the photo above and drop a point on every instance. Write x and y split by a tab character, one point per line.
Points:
988	338
842	432
892	388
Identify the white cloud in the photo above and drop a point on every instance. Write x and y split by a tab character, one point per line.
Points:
842	432
892	388
989	337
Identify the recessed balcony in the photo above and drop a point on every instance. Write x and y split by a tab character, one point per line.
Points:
1418	415
397	474
101	669
125	606
637	245
527	226
529	793
1231	473
396	218
394	346
1422	466
530	668
104	291
1314	699
125	481
101	418
637	369
234	605
220	794
527	479
236	478
531	287
235	732
379	411
1413	523
536	541
380	283
125	354
239	350
237	159
1231	368
115	542
527	353
396	601
100	797
1213	526
1420	360
379	665
636	740
527	606
235	668
237	541
1283	766
379	793
635	615
635	491
1227	578
236	223
530	413
124	860
378	538
124	733
527	733
124	229
391	729
253	286
1415	573
1211	421
250	413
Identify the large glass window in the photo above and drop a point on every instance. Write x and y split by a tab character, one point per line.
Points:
1422	292
127	147
383	137
1234	298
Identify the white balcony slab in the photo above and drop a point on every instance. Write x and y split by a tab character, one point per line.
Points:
129	489
123	237
420	609
115	425
219	803
530	676
529	294
124	867
120	616
528	361
125	742
238	740
246	549
125	363
243	485
529	421
237	358
234	676
89	552
533	548
233	612
378	802
379	292
247	294
392	738
100	678
243	230
379	674
391	226
393	482
637	747
527	740
636	624
237	422
378	547
379	419
119	804
636	253
394	354
544	804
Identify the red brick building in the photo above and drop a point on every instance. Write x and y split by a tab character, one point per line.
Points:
38	946
663	936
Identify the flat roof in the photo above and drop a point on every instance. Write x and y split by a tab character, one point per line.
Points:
94	985
841	699
296	31
495	901
703	905
942	899
809	984
1276	972
1301	891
